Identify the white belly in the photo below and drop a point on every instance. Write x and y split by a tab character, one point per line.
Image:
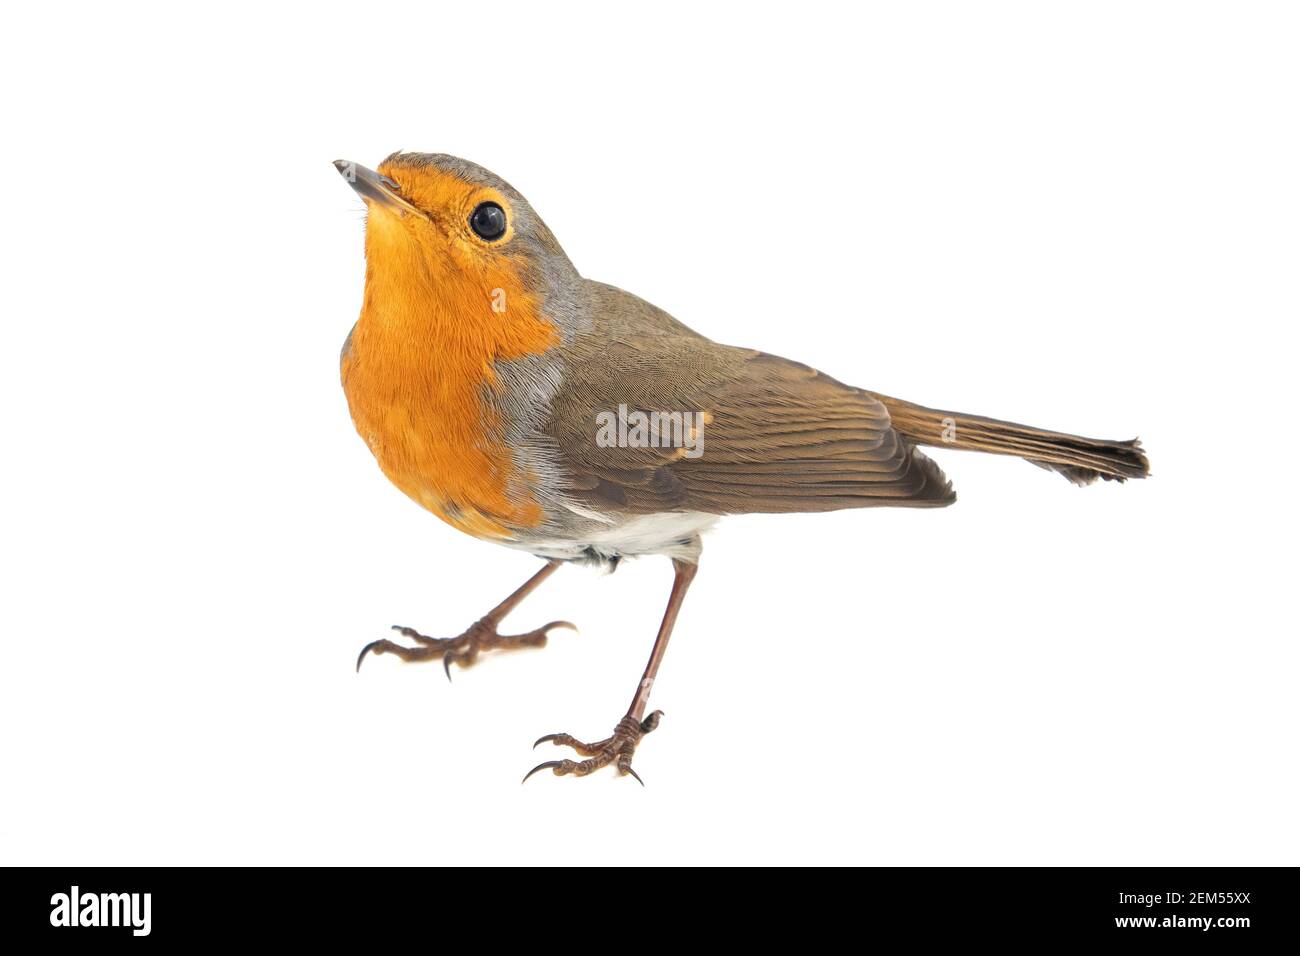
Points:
675	534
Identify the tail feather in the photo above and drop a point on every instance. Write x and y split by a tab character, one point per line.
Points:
1081	460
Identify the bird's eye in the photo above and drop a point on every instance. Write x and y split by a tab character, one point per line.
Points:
488	221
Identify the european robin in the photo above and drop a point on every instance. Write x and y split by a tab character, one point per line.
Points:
526	405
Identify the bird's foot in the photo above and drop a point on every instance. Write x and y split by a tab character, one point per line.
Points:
463	650
616	749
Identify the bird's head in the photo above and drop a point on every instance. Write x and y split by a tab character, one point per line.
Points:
447	234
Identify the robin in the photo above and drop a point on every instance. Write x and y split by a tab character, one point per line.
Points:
526	405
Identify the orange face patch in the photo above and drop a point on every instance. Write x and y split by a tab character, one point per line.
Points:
441	308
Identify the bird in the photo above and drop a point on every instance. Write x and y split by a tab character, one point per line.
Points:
526	405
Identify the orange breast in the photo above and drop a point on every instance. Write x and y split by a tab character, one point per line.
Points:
415	372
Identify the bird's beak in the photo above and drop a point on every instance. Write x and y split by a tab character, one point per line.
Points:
373	187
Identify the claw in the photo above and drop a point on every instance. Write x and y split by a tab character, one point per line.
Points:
364	651
446	665
542	740
635	774
550	764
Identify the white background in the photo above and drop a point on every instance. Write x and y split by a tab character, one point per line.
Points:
1079	216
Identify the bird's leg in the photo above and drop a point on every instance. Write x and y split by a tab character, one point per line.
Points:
480	636
619	747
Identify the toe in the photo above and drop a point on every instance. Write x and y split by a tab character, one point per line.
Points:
414	635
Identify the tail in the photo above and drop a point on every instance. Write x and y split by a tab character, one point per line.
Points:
1081	460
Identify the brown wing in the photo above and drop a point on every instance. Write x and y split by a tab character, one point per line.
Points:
777	436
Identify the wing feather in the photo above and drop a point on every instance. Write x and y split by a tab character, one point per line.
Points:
777	436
